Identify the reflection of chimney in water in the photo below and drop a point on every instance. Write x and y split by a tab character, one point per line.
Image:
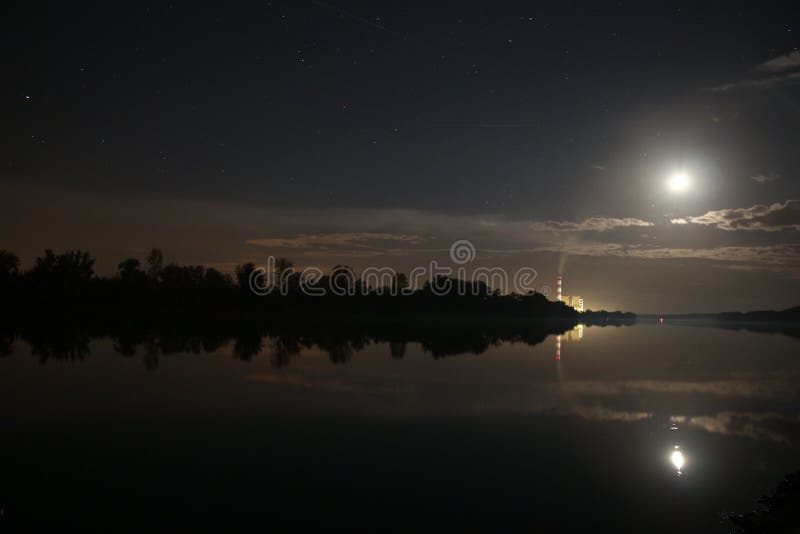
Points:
558	287
558	347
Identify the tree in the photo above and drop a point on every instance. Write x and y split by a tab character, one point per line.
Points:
281	266
9	272
65	277
343	280
214	280
129	270
282	271
182	277
243	273
399	283
71	266
9	266
155	264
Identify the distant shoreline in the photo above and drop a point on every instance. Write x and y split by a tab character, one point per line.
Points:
789	315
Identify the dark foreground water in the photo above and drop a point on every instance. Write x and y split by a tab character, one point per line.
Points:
646	427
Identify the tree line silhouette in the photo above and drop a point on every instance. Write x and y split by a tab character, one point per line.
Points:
67	282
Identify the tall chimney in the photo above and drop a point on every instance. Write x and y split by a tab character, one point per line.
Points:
558	288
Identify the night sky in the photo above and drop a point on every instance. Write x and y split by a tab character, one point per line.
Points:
377	133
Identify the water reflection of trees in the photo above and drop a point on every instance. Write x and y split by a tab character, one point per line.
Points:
397	349
6	344
279	343
59	345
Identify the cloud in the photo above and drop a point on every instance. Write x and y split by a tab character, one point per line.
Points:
762	255
764	178
781	63
781	257
436	232
768	82
772	218
342	239
592	224
778	76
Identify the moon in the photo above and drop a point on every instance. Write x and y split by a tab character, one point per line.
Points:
679	182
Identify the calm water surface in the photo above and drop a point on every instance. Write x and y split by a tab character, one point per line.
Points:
657	427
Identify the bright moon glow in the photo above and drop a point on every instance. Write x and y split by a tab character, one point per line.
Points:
677	459
679	182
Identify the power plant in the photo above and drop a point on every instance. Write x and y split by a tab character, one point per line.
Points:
575	301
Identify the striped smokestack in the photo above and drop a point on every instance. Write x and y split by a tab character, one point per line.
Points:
558	287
